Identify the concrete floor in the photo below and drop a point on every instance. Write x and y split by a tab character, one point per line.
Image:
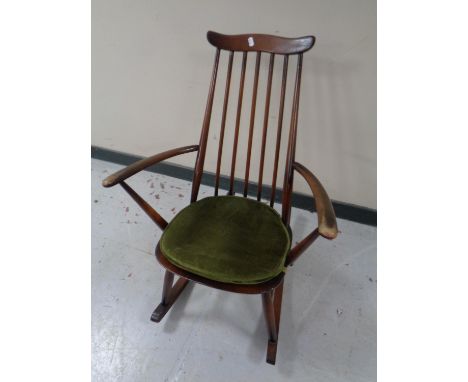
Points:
328	322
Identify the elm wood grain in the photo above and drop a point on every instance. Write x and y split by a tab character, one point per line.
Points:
279	130
252	123
166	292
271	290
238	117
255	42
121	175
265	126
269	311
140	165
278	300
200	161
223	121
150	211
169	296
301	247
327	226
272	302
288	171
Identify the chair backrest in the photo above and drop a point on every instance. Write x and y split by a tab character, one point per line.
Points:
273	46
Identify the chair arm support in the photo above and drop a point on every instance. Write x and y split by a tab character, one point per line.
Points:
326	215
150	211
140	165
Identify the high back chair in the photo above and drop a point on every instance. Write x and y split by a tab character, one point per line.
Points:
231	242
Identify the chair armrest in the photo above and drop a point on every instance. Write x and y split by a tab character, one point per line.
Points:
326	215
126	172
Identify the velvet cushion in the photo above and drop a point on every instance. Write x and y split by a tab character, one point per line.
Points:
228	238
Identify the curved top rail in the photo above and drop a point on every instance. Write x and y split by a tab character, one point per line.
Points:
261	43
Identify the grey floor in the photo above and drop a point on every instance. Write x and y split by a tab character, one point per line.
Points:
328	322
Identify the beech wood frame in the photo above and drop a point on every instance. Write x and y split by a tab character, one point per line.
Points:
272	289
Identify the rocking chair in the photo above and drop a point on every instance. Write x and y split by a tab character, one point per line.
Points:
231	242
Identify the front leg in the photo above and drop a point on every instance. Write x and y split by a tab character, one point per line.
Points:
170	294
272	309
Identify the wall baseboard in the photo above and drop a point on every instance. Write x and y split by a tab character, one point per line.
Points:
343	210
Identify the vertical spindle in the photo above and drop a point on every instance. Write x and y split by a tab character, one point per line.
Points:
238	116
280	127
223	120
204	134
252	123
289	171
265	125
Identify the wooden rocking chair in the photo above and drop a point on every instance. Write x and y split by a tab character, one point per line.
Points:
231	242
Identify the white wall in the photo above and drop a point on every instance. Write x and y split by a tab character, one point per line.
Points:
151	66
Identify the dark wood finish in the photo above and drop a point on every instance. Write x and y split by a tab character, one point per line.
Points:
261	43
343	210
136	167
279	130
327	226
271	290
204	134
150	211
169	296
265	125
278	301
168	282
223	121
238	117
236	288
288	171
252	122
272	301
121	175
302	246
269	311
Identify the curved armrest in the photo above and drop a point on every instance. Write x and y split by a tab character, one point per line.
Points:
326	215
125	173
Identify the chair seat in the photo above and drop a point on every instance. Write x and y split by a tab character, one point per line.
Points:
229	239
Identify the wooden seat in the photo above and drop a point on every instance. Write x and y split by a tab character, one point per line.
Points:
248	253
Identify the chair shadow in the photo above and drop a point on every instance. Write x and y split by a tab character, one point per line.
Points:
177	310
218	311
256	352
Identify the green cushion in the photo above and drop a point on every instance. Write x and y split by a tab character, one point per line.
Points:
228	238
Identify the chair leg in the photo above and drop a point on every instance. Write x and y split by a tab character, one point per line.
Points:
170	294
272	309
